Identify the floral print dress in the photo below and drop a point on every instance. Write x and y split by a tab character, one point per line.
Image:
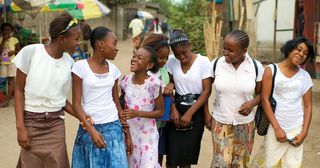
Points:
144	134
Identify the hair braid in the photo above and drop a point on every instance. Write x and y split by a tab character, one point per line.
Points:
241	37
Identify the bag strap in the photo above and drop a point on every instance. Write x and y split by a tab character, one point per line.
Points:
255	67
273	78
215	66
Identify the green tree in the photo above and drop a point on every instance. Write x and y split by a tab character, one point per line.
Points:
189	16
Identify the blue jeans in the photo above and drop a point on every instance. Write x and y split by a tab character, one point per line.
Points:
87	155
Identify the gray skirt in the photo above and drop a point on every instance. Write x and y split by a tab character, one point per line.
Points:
47	140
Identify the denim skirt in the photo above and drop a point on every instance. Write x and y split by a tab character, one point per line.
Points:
87	155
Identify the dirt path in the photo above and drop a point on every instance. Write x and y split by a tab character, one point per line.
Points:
9	149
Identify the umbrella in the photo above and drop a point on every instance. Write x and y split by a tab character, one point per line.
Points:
44	5
145	15
91	9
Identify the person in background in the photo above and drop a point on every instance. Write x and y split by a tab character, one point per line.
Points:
156	26
43	80
95	94
159	43
143	104
289	124
237	83
136	25
190	76
9	47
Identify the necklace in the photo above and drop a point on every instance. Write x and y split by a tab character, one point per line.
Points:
51	54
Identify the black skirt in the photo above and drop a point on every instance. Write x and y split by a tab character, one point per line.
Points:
183	147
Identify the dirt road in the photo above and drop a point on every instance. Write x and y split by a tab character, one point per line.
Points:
9	149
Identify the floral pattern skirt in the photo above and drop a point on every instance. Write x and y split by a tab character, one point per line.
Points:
232	144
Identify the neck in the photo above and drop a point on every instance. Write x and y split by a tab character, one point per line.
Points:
54	50
286	63
99	59
138	78
237	64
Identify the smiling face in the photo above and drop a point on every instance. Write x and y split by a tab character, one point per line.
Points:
71	40
163	54
140	61
6	32
183	53
299	55
109	45
232	50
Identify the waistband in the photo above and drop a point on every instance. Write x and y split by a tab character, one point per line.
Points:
54	114
188	99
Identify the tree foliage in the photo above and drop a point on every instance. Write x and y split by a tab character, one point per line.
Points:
189	16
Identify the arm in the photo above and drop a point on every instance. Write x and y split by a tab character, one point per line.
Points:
307	108
246	108
206	91
77	108
69	109
157	113
123	121
265	93
22	133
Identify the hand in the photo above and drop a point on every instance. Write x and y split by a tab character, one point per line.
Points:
280	135
23	138
97	138
175	117
298	140
130	113
185	120
246	108
168	90
208	122
129	145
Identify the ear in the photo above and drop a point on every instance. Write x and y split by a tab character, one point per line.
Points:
99	44
150	66
244	51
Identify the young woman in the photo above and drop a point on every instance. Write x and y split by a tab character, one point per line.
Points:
191	76
9	47
289	124
159	43
42	83
237	83
144	103
95	93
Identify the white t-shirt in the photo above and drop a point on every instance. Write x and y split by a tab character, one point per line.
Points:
191	81
137	27
288	93
97	100
233	88
48	80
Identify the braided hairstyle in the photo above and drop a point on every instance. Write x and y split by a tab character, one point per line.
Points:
59	24
178	38
156	41
241	37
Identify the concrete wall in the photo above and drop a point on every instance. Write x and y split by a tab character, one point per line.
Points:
265	27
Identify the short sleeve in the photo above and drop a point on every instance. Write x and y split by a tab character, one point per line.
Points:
15	41
155	86
205	67
77	68
115	71
307	82
123	83
170	64
23	59
260	71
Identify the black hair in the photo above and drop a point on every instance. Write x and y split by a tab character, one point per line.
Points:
156	41
136	16
59	25
97	34
154	58
178	38
3	25
241	37
293	44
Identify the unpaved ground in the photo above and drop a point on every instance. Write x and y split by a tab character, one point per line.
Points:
9	149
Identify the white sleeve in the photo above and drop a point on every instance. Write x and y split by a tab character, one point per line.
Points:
77	68
205	68
24	57
307	82
260	71
156	87
115	71
170	63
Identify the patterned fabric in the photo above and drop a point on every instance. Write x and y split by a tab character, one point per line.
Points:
232	144
144	133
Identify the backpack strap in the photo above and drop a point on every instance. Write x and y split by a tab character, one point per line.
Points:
255	67
273	78
215	66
